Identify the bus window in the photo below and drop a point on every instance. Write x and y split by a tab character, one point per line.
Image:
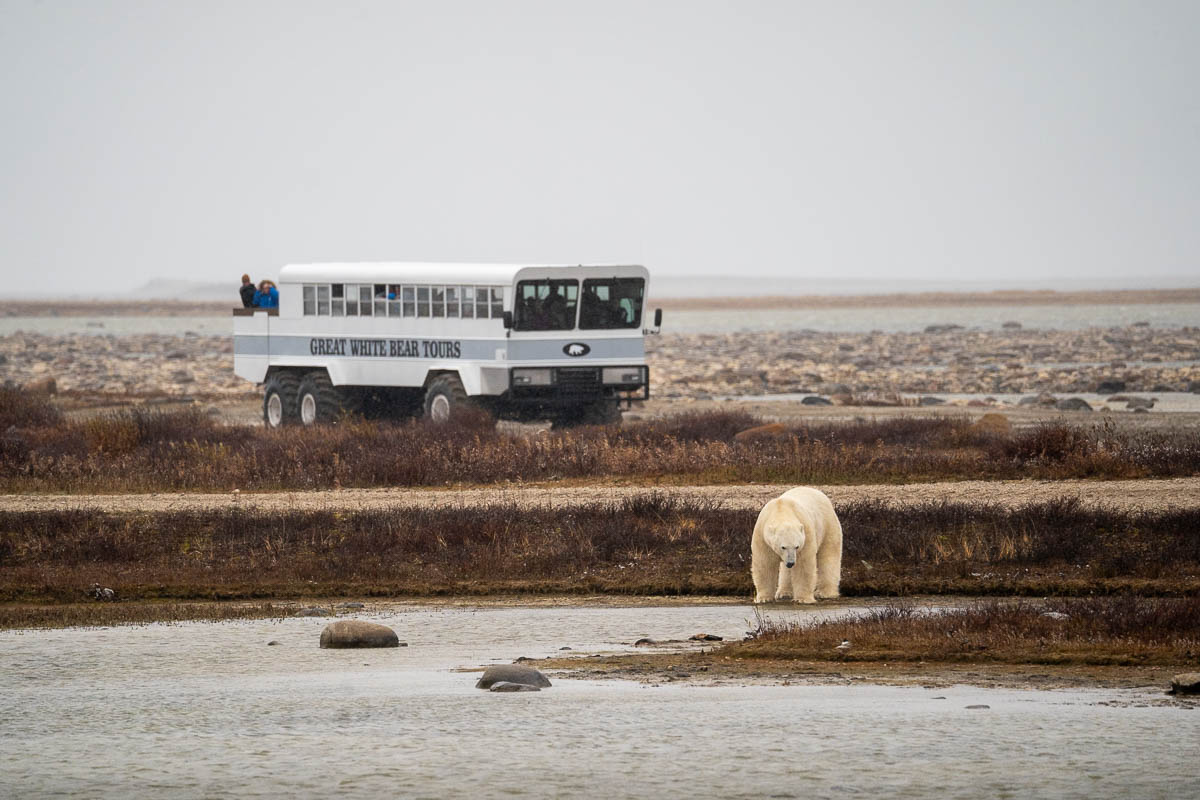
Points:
337	302
323	300
381	299
410	301
468	302
351	294
451	301
481	302
438	295
611	303
544	305
498	303
422	301
310	300
364	301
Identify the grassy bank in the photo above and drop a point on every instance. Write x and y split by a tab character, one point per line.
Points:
1097	630
649	545
146	451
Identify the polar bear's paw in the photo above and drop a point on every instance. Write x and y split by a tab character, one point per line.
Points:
806	600
762	598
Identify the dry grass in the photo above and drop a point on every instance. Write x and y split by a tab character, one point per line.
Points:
20	616
145	451
1109	630
647	545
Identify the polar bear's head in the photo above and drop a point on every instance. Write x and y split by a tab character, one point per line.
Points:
785	536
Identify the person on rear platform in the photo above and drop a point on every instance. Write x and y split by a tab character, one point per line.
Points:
267	295
247	292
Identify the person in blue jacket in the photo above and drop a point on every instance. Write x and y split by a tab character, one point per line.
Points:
267	295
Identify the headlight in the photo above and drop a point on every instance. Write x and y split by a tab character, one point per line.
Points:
531	377
624	375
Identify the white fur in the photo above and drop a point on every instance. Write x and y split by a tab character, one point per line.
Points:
799	524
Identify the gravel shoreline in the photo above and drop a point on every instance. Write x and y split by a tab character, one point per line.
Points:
1127	494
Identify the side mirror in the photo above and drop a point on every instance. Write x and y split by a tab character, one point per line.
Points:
508	320
658	317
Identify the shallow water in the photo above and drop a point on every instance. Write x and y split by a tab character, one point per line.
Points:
208	710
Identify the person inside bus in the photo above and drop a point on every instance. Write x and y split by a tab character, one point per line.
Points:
555	309
247	292
267	295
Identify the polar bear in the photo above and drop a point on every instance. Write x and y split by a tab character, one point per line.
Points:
800	530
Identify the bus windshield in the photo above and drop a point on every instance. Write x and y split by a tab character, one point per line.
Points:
611	303
545	305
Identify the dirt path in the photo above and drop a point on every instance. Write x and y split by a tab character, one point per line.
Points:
1148	494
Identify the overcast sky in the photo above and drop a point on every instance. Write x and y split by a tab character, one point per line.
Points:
998	141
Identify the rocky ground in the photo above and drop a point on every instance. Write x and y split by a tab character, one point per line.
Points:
843	367
943	360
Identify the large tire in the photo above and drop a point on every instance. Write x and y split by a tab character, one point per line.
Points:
317	401
598	412
280	395
444	396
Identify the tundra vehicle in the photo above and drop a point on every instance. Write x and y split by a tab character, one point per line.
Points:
564	343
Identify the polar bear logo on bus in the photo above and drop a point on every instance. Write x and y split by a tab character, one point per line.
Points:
576	349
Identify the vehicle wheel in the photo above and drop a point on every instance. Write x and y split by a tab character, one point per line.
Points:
279	399
317	400
444	396
603	412
599	412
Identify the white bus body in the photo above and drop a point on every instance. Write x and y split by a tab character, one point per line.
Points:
564	342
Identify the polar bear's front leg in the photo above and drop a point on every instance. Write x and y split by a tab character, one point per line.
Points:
784	590
765	572
804	579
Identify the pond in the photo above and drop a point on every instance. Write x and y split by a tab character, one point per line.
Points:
210	710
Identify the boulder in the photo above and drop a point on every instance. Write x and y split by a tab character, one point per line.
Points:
705	637
992	423
512	673
505	686
1110	386
41	386
943	328
768	431
1011	325
814	400
1185	683
930	401
356	633
1194	387
1073	404
1134	403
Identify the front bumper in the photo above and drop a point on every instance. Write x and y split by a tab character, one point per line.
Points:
569	385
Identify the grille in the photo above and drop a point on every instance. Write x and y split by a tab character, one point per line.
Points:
578	377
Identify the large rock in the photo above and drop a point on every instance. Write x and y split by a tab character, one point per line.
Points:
992	423
815	400
41	386
1110	386
505	686
512	673
356	633
1073	404
768	431
1186	683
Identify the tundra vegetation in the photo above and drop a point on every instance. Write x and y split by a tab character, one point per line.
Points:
1123	630
148	451
650	544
